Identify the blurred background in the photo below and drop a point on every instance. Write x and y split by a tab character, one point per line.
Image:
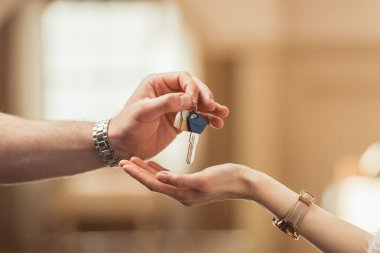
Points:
302	81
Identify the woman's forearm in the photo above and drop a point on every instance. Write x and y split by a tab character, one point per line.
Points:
41	149
331	234
322	229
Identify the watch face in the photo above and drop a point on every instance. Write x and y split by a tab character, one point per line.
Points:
286	227
293	234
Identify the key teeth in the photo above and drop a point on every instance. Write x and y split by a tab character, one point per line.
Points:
190	150
193	141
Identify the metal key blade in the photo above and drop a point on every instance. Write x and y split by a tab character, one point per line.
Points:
193	141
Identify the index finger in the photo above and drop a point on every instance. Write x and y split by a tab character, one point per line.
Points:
206	98
182	81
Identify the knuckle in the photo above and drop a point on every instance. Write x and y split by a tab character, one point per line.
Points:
151	77
142	105
204	185
148	80
170	101
178	182
187	80
185	74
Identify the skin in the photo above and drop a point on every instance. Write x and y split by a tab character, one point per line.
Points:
37	149
233	181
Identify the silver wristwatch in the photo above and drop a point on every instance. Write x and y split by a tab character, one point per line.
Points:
102	143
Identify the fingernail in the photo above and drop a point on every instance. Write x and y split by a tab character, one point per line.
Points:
212	104
122	163
162	177
185	101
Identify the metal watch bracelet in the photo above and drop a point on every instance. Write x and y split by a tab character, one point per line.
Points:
295	215
102	143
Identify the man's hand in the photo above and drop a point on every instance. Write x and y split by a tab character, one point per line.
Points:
145	126
221	182
37	149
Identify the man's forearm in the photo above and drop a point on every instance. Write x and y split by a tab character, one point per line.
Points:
33	150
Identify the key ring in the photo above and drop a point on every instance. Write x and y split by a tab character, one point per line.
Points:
194	115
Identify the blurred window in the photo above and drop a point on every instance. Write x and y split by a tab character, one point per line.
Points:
353	195
96	53
359	202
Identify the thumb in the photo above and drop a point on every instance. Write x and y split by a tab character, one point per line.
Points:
177	180
172	102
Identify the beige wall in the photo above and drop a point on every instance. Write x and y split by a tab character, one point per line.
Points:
300	103
295	112
21	36
332	107
20	94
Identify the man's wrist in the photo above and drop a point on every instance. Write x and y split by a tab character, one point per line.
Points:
102	143
118	140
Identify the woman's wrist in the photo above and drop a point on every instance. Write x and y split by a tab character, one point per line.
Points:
251	181
268	192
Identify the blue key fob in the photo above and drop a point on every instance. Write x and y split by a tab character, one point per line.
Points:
196	123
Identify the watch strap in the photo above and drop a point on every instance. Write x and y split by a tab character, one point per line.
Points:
295	215
102	143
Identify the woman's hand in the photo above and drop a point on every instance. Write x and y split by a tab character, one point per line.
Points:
221	182
232	181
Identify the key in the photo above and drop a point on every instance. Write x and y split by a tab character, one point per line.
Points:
193	141
196	124
180	121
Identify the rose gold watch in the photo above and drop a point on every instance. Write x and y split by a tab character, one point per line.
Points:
295	215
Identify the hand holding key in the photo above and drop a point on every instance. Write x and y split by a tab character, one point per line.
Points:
145	126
